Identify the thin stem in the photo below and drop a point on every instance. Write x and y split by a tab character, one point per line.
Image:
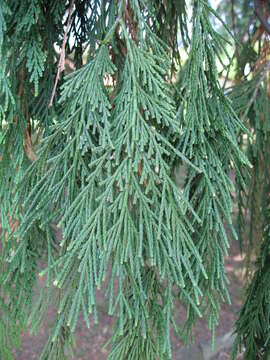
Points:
233	18
267	68
61	64
258	10
241	39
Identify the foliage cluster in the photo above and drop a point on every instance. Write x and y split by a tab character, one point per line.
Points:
101	162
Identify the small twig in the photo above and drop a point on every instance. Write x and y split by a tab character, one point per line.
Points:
258	9
233	18
61	64
241	39
267	68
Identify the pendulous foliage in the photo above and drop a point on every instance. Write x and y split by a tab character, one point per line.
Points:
100	164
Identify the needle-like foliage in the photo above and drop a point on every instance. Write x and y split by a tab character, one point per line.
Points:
100	165
251	98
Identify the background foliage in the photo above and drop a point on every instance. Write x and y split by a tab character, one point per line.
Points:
101	103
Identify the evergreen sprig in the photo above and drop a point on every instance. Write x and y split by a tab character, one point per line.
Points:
210	128
252	325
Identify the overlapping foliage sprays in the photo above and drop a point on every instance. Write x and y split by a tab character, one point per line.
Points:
210	128
251	102
100	165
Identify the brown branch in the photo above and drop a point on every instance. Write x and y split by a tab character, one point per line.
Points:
61	64
28	146
261	79
258	9
233	17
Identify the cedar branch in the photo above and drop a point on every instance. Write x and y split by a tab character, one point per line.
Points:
258	9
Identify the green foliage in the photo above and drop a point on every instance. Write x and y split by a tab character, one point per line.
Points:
253	201
104	172
250	97
253	324
210	127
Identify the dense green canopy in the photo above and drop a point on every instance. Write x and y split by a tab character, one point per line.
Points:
102	105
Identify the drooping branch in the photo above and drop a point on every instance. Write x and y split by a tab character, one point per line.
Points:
258	9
